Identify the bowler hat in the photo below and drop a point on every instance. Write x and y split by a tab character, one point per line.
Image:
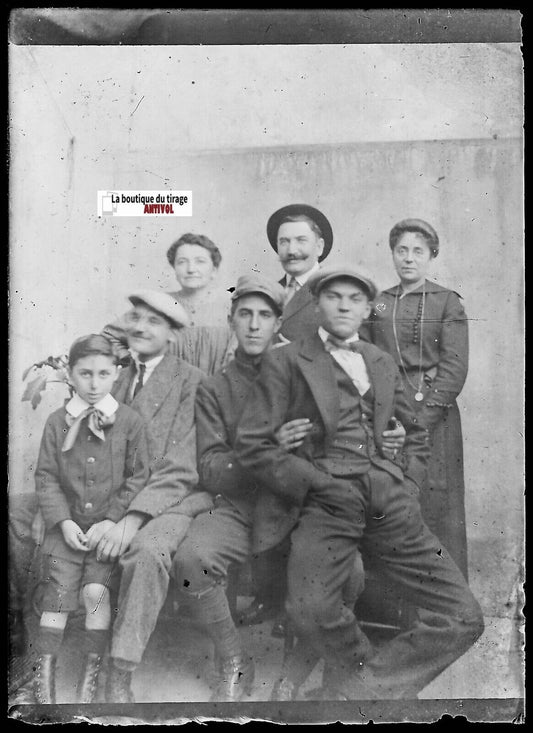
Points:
259	285
317	216
328	274
415	225
162	303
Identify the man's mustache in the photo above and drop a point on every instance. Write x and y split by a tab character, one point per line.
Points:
293	258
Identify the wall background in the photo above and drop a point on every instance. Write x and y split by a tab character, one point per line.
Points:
369	134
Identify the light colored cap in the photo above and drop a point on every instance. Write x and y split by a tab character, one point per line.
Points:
162	303
328	274
257	284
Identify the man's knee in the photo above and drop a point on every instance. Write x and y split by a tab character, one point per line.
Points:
196	567
146	553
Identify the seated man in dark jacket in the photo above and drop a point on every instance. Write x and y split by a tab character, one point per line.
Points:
225	535
349	496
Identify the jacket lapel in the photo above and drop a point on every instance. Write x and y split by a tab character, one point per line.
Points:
152	396
383	385
317	369
299	300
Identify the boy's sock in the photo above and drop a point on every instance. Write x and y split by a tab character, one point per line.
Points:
95	641
226	637
49	640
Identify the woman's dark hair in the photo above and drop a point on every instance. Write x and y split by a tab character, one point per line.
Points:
92	345
201	241
418	226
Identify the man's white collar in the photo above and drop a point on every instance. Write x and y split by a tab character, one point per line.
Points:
304	277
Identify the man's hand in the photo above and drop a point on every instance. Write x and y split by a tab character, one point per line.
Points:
393	439
73	535
97	531
37	528
292	434
116	540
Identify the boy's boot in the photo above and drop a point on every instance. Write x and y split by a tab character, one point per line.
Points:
88	683
45	679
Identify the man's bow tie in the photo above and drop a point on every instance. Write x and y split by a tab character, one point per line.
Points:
333	343
96	421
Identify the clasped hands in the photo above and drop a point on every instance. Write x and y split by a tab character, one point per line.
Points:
109	539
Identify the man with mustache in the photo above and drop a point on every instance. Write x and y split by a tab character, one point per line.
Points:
302	237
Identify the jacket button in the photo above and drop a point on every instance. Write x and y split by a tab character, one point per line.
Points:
91	459
90	482
88	505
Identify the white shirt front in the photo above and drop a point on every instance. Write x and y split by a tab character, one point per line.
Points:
350	361
150	366
107	405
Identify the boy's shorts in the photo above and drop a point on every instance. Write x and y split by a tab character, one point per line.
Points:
67	571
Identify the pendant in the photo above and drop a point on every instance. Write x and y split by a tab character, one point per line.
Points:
419	396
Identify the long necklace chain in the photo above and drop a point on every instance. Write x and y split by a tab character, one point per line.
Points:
419	396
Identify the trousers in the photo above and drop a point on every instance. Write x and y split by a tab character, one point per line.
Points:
215	540
144	584
337	521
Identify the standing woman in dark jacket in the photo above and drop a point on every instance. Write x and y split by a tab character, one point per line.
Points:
425	329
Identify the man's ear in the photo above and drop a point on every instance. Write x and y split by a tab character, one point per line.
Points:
320	245
279	323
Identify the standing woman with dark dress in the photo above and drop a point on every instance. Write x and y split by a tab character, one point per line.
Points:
425	329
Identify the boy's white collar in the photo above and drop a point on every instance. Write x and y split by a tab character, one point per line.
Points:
107	405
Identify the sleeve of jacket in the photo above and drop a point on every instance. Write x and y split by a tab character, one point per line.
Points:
116	333
256	447
173	475
416	450
452	368
51	497
219	471
136	471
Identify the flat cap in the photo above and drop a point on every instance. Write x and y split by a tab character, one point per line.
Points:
259	285
415	225
315	215
328	274
162	303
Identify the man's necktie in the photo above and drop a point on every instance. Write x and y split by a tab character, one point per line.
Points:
140	380
291	289
333	343
96	421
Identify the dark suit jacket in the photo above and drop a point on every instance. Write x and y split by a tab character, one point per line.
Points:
296	381
63	493
299	318
166	403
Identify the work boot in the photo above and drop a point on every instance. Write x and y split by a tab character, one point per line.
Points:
88	683
118	685
236	678
44	682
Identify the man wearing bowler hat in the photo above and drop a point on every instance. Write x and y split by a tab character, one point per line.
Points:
302	237
352	495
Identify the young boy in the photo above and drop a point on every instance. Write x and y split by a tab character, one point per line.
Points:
93	460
